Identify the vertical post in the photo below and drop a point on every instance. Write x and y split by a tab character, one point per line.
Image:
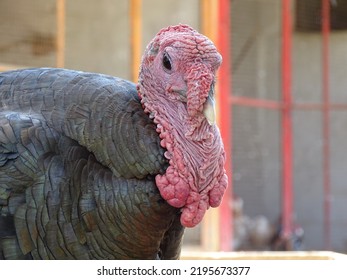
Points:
287	149
210	233
326	121
60	41
209	19
224	44
136	37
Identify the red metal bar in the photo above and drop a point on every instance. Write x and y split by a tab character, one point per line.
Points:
224	45
255	102
276	105
319	106
287	149
326	121
337	106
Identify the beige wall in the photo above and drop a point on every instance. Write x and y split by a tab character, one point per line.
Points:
97	36
97	32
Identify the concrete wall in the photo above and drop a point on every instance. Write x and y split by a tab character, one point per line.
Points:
97	32
256	49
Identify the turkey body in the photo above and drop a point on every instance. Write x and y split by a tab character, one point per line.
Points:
78	157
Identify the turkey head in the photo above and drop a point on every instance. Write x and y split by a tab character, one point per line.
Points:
176	86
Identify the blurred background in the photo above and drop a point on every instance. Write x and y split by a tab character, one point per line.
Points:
282	101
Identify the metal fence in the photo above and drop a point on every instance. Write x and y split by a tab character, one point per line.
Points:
289	107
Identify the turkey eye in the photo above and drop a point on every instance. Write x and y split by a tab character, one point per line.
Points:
166	61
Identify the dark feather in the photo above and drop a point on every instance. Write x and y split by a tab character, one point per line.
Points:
77	162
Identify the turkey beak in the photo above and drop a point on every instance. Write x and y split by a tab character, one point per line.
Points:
209	107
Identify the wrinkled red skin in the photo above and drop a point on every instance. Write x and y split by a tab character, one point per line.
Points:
174	98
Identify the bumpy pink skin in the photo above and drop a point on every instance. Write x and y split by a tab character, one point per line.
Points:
174	98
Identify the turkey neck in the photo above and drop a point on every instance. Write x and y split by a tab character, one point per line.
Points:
100	112
196	177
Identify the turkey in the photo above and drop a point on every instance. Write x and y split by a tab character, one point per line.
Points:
96	167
